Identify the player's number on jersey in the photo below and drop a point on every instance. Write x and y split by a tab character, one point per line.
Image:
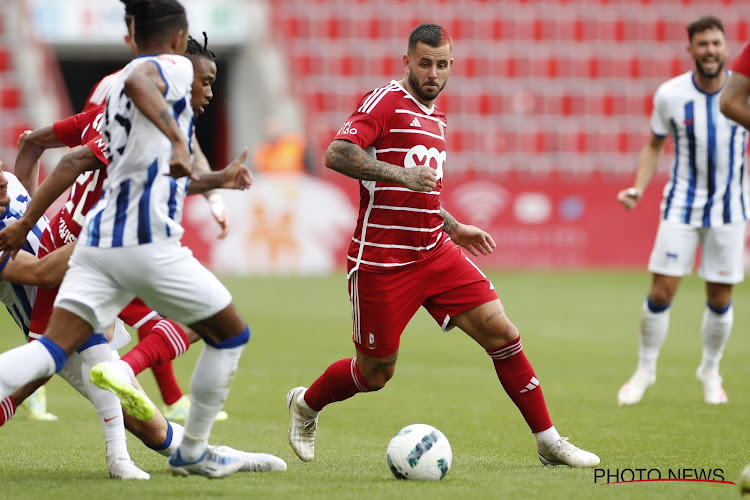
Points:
87	181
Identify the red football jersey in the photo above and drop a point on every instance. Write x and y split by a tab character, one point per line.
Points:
76	130
396	226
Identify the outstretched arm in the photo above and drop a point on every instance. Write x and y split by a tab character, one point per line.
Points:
31	145
236	175
648	163
145	87
349	159
47	272
13	237
469	237
735	99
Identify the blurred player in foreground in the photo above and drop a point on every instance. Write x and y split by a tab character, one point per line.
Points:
705	203
406	253
21	278
131	242
176	403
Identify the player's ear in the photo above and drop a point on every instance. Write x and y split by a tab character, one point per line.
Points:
405	60
178	42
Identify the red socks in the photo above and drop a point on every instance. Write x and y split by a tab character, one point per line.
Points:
520	382
340	381
161	340
7	409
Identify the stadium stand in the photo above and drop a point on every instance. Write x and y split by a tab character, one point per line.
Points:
571	79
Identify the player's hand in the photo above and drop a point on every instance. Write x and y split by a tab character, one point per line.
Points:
216	203
629	197
179	165
21	137
473	239
236	175
13	237
420	178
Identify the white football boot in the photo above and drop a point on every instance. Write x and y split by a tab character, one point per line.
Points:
632	391
302	426
713	392
562	452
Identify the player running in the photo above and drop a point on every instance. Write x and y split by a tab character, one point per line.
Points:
131	245
406	253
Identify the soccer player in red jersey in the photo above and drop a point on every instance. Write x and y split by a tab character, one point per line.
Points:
406	253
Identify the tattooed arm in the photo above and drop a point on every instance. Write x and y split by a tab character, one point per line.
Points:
145	87
469	237
349	159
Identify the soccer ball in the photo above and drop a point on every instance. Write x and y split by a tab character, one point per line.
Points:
419	451
745	482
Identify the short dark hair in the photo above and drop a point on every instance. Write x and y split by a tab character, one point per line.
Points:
195	49
155	18
704	23
431	34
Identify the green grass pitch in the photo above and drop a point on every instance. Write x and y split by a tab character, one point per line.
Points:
579	330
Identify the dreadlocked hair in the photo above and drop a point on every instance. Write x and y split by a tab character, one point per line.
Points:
194	48
155	19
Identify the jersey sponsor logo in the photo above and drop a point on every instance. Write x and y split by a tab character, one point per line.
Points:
65	235
347	129
420	155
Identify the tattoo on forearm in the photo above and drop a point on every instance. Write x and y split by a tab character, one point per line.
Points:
352	161
166	117
450	224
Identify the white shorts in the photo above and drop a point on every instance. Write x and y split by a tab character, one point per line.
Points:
102	281
722	251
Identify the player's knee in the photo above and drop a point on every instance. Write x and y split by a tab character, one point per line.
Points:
377	380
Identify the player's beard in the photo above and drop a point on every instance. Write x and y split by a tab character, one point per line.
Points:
704	74
414	84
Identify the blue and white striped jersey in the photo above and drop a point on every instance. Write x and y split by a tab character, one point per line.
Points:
19	299
140	202
708	179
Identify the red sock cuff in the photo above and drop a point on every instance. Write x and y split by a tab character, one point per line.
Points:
507	350
7	409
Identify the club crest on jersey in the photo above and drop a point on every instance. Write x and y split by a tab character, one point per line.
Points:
420	155
442	129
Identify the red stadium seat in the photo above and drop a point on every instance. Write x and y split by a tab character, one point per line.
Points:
10	97
5	59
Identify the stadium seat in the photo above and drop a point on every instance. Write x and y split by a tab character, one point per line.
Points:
10	98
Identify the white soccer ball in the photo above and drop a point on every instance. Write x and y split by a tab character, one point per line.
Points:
419	451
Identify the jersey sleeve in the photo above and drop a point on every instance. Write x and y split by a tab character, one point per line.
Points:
742	63
366	125
659	116
70	130
99	148
177	72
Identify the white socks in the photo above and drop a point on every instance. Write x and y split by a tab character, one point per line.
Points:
715	330
108	407
654	326
209	387
547	437
22	365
